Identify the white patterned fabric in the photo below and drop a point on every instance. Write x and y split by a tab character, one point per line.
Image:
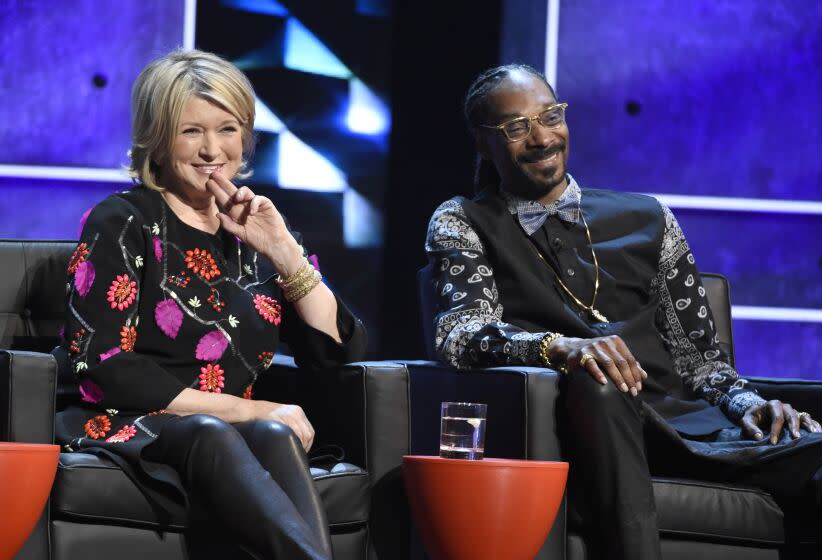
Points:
469	328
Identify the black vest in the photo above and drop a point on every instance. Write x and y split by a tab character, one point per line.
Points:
627	232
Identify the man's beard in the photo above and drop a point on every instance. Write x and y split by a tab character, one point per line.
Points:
533	187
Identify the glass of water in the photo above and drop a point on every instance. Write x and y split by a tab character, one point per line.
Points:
462	431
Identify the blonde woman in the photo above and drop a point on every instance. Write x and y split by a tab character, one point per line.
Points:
179	291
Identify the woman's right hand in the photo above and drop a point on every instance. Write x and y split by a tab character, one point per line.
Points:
289	414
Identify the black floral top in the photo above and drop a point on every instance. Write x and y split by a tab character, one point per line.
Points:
155	306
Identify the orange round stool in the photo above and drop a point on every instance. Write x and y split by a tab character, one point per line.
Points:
26	474
488	509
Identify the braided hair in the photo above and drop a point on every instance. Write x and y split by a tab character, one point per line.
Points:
475	110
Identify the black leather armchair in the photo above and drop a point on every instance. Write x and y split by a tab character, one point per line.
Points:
96	512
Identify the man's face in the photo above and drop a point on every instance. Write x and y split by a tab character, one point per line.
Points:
534	166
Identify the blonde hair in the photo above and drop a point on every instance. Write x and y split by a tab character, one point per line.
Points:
157	100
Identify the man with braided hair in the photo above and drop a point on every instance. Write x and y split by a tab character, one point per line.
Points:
536	270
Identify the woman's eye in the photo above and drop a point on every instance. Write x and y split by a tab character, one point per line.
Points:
190	131
230	129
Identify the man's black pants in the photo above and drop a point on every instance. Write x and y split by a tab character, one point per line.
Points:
610	445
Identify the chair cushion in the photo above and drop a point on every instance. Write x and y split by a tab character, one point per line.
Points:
95	490
710	510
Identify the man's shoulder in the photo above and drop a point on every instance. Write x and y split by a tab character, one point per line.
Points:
624	199
450	227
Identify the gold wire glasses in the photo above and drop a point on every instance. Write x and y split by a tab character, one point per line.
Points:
520	128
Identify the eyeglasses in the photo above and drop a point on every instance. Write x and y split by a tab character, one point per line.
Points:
520	128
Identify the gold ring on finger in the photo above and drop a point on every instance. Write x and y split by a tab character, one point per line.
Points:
585	358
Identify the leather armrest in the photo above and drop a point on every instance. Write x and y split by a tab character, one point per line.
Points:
28	385
521	400
802	394
361	407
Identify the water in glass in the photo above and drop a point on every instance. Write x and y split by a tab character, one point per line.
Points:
462	438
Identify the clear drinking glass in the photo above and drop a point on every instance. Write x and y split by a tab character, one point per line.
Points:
462	430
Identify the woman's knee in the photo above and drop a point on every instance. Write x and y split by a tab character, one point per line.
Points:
207	429
268	431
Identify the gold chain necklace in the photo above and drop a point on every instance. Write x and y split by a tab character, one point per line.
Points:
595	313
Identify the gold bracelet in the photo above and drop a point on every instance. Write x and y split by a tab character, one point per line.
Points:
304	272
304	288
544	354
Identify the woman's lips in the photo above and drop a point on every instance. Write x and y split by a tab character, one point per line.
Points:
208	169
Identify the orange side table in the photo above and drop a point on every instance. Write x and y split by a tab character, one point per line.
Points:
488	509
26	474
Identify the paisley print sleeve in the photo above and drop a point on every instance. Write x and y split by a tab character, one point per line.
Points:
687	326
469	326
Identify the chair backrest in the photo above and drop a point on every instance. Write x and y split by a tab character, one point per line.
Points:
428	308
32	292
717	291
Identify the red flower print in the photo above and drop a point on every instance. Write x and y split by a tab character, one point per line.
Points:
74	345
122	292
269	308
265	358
128	336
79	256
247	392
202	263
156	412
126	433
212	378
97	426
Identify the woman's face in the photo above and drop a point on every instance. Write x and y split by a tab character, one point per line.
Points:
206	139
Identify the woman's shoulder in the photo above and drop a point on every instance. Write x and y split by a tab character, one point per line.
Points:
137	203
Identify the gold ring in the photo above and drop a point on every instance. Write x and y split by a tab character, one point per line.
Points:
585	358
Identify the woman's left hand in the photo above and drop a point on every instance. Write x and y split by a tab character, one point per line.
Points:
256	221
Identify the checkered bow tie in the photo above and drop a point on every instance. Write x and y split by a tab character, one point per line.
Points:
532	215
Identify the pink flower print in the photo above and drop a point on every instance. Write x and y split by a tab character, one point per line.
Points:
90	391
122	292
109	353
168	317
158	249
84	278
126	433
211	346
212	379
83	219
314	261
269	308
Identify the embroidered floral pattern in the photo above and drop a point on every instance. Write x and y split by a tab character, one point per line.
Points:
128	336
181	281
269	308
212	379
97	427
84	278
156	412
248	392
265	359
122	292
215	301
74	345
126	433
201	262
77	257
90	391
158	248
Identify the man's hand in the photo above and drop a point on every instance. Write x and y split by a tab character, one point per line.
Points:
779	414
289	414
608	353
